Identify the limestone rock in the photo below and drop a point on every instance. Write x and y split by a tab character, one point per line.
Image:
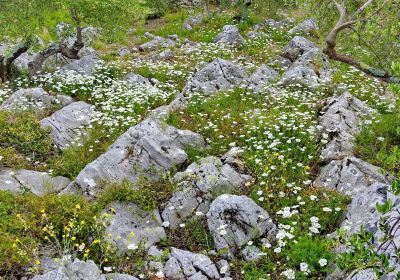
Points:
197	185
235	220
251	253
118	276
300	75
263	75
131	226
192	21
217	75
85	65
69	124
340	120
133	78
350	176
35	99
305	27
230	35
39	183
145	150
296	47
156	42
184	264
76	270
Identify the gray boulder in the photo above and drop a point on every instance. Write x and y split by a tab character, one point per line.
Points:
85	65
254	34
69	124
132	227
192	21
197	186
300	75
230	36
350	176
76	270
35	99
119	276
366	274
263	76
217	75
251	253
145	150
39	183
340	120
305	27
235	220
133	78
22	62
156	42
296	47
187	265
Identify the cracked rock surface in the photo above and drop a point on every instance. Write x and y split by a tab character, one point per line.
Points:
39	183
187	265
198	184
217	75
145	150
350	175
297	47
131	226
35	99
340	120
230	35
234	220
69	124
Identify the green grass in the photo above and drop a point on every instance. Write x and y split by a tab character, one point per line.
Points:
23	143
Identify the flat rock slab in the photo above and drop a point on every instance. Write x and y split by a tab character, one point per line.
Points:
187	265
350	176
217	75
131	226
35	99
197	186
145	150
340	120
230	36
39	183
69	124
234	220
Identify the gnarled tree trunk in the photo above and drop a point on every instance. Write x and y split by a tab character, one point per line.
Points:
5	62
346	21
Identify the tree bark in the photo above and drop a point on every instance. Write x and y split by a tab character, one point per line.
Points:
5	62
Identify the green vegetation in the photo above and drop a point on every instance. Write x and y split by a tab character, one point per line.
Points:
23	143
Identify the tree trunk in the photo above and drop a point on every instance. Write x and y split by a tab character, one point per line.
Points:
5	62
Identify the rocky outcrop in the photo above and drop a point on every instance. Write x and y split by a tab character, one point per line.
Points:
35	99
300	75
217	75
197	186
235	220
340	120
350	175
145	150
79	270
130	227
187	265
305	27
85	65
69	124
263	75
39	183
133	78
230	36
297	47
